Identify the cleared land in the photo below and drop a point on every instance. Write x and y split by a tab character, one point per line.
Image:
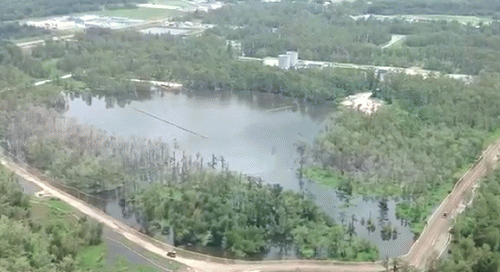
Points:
140	13
396	41
176	3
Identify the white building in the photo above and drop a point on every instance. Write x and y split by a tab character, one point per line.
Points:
284	61
288	60
294	58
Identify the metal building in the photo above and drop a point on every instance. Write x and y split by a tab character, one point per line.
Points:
294	58
284	61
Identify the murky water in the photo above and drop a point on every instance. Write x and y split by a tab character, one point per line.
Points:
255	133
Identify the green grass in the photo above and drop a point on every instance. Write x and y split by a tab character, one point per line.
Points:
323	177
177	3
140	13
51	67
43	211
92	257
492	137
59	205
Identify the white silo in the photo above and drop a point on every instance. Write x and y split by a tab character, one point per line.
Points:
284	61
294	58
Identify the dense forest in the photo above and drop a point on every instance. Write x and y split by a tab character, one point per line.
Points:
267	29
15	10
246	217
34	239
330	34
318	34
476	234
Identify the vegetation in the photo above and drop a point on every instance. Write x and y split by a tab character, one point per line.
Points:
246	217
267	29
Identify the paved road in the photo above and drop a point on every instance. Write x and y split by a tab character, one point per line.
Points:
430	242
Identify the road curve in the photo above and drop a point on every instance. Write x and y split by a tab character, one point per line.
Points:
203	262
424	248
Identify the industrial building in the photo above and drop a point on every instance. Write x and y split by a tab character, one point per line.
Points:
294	58
288	60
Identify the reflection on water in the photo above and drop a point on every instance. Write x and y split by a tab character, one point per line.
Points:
255	133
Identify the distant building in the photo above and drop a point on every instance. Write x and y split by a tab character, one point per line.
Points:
55	23
288	60
294	58
284	61
165	30
271	61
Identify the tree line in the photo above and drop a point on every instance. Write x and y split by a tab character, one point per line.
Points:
106	61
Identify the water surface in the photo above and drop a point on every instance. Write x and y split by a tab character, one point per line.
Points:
256	134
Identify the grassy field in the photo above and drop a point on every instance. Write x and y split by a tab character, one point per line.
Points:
59	205
92	257
323	177
177	3
43	210
141	13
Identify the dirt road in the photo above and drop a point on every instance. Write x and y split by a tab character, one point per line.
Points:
432	241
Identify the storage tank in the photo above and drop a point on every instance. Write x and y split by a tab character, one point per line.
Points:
294	58
284	61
